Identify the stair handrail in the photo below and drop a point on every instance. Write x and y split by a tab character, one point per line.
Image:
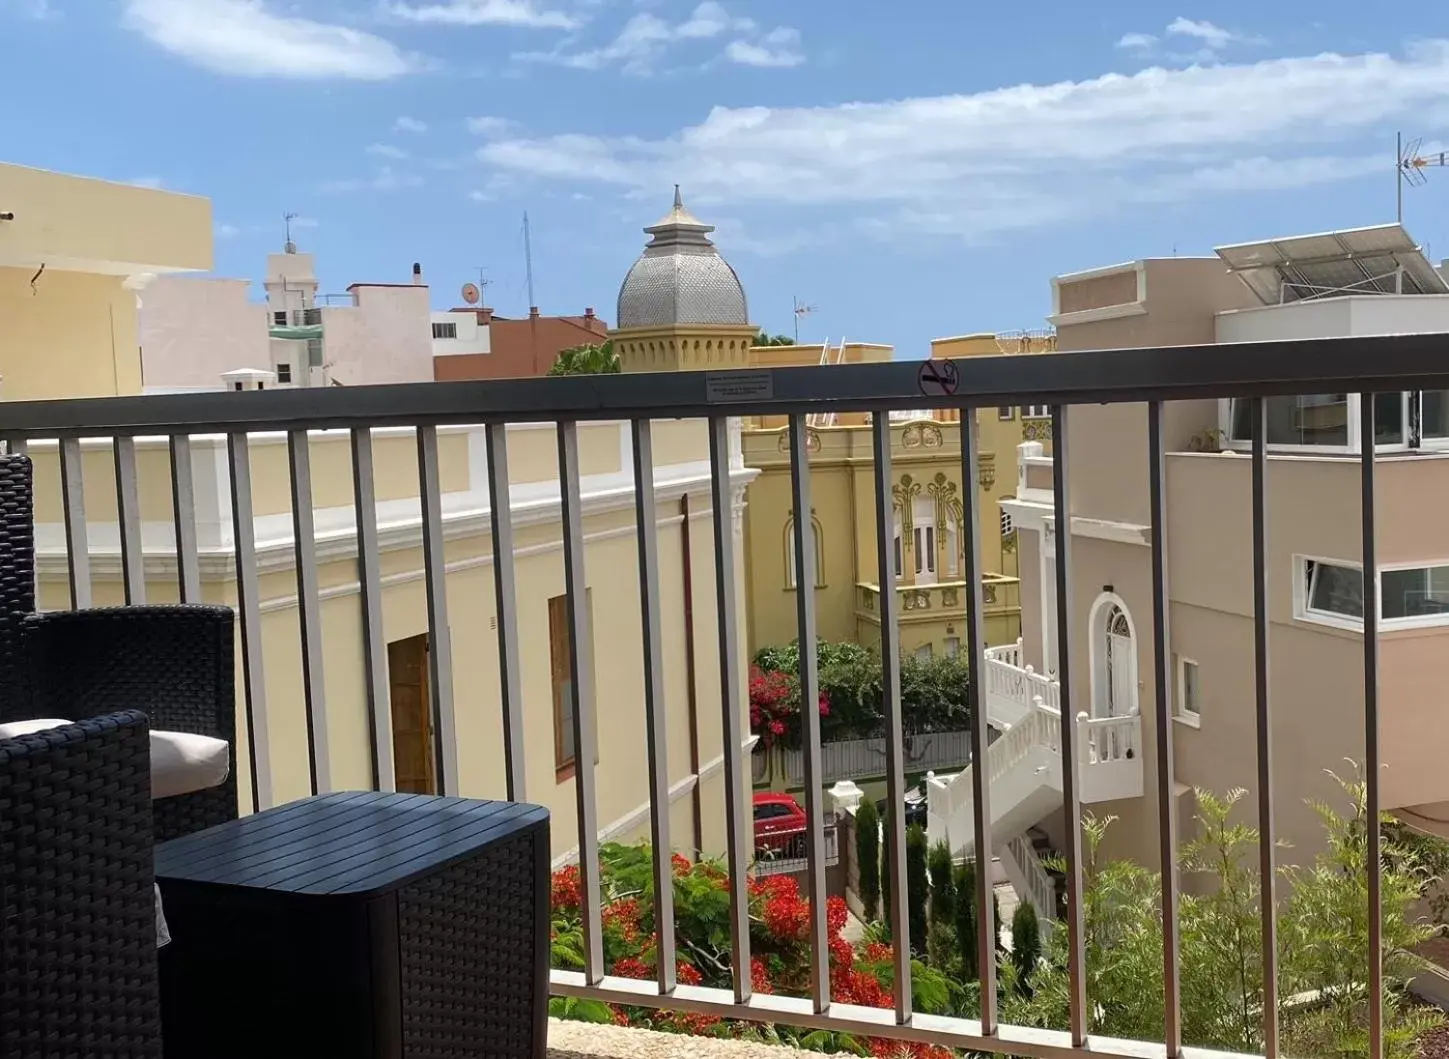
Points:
1042	892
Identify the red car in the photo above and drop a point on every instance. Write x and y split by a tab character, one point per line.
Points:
779	821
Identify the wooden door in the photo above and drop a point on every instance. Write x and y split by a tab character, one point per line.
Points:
412	715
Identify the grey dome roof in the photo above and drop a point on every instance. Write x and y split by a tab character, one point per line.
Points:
680	278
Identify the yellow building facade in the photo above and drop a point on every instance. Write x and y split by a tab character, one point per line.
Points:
74	255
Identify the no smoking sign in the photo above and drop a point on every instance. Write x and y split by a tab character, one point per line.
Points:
938	378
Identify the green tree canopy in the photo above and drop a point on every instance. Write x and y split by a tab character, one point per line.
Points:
587	360
764	338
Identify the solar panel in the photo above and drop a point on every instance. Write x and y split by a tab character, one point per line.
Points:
1378	260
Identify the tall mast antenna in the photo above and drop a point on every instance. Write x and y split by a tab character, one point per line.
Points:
287	219
528	259
801	309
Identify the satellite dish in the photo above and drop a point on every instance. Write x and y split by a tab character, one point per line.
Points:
471	293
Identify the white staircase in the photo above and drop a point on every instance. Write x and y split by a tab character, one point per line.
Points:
1024	772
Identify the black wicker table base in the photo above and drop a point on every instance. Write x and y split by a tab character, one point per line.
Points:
385	926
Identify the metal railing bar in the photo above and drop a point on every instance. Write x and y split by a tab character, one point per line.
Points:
945	1030
581	690
374	646
17	445
77	546
254	680
890	655
1166	773
1248	369
1071	778
1373	862
980	781
309	612
505	596
1268	872
738	817
128	512
440	636
804	548
183	513
656	734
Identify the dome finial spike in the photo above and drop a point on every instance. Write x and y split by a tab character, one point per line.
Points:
678	198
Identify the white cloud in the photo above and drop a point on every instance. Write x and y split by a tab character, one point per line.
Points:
151	182
1136	41
490	126
971	164
31	9
407	124
779	48
1211	36
226	231
385	179
481	13
248	39
387	150
646	37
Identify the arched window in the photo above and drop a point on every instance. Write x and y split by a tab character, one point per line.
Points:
790	578
1114	658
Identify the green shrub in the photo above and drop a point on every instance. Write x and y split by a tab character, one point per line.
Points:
966	920
943	885
1025	944
867	855
918	886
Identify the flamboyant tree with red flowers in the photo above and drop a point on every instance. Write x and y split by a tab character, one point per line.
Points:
780	920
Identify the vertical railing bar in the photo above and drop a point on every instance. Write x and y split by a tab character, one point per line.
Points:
1373	863
183	514
500	517
980	740
804	546
440	637
1071	780
254	689
581	678
1166	772
1268	883
309	611
890	659
656	734
374	645
77	546
737	816
128	512
16	445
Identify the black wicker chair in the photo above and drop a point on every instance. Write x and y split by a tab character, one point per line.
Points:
174	663
78	974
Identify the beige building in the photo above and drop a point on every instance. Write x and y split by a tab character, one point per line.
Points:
1357	283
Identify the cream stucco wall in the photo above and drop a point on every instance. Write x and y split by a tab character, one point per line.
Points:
194	329
611	575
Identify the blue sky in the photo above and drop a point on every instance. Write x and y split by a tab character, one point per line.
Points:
913	170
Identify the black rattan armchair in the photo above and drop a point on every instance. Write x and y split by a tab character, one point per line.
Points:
174	663
78	964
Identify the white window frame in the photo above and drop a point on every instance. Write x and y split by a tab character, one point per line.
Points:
1189	717
1303	612
1353	446
1036	411
1418	621
1006	412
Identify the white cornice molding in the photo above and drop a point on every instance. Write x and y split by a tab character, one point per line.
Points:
1040	518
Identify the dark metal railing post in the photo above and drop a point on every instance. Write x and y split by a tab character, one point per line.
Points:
1267	869
1372	860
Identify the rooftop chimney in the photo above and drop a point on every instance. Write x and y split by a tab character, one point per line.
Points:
533	310
417	274
588	312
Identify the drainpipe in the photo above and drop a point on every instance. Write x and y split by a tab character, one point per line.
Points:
691	699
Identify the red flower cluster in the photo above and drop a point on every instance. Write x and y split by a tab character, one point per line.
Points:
567	891
681	864
630	967
760	976
775	705
687	974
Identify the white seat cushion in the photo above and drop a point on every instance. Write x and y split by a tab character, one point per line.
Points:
17	728
182	762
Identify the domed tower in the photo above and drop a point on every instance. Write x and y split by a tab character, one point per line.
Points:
681	307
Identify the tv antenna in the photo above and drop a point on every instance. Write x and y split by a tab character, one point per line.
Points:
483	282
289	247
528	260
1411	166
801	309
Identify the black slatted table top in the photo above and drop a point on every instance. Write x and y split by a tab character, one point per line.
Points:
357	843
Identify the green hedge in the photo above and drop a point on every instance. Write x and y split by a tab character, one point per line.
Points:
933	691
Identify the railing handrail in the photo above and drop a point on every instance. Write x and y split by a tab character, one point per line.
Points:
1397	362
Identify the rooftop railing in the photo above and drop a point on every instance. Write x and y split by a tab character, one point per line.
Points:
1063	382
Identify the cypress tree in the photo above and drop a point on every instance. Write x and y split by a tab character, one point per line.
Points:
867	853
966	919
917	885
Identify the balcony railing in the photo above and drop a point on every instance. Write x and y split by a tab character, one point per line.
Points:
940	600
344	713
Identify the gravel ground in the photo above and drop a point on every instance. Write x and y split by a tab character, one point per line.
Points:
1435	1045
582	1040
